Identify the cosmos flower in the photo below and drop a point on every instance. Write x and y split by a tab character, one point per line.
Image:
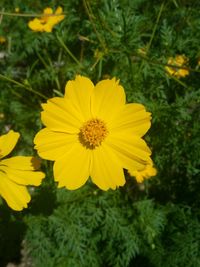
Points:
179	61
16	173
92	132
147	172
48	21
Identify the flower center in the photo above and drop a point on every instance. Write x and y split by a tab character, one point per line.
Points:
92	133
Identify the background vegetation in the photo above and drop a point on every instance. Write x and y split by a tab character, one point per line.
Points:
140	225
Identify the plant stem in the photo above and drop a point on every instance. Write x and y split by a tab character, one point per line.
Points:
155	28
29	15
23	86
68	51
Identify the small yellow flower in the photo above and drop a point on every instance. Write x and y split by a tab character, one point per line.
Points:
2	40
48	21
179	61
146	173
17	9
16	173
2	116
92	132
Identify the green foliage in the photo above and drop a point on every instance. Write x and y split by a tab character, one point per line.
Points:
94	228
180	240
154	224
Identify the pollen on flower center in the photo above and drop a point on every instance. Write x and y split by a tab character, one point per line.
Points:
92	133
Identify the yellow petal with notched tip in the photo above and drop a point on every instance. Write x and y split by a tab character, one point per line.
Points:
53	145
133	118
36	25
16	196
22	163
8	142
60	115
132	151
23	177
107	100
79	92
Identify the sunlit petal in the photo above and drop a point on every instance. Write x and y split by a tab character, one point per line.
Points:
107	100
8	142
79	92
132	151
53	145
133	118
60	115
16	196
72	170
107	171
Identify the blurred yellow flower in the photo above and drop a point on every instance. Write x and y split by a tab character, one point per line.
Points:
91	131
146	173
48	21
2	116
16	173
179	61
17	9
2	39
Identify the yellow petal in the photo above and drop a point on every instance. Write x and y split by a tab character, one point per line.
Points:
107	100
132	118
35	25
107	171
48	27
8	142
16	196
72	170
79	92
22	163
59	10
22	177
53	145
132	151
48	11
60	115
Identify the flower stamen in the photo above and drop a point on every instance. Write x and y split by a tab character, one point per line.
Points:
92	133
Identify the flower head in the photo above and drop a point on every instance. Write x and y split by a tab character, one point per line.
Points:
91	131
2	40
145	173
17	9
48	21
179	61
16	173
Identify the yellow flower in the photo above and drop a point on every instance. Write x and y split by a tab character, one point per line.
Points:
2	40
17	9
91	131
48	21
179	61
146	173
16	173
